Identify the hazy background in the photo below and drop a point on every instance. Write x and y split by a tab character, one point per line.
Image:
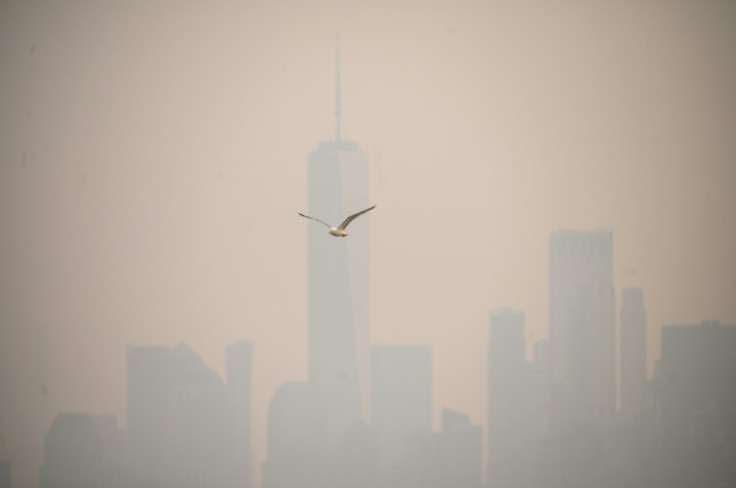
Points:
153	160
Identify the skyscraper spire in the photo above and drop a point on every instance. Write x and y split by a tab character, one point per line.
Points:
338	112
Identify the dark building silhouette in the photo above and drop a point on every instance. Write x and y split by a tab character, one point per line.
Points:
698	406
508	414
239	383
297	454
401	402
83	450
632	351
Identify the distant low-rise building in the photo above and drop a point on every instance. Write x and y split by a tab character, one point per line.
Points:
296	455
401	400
84	450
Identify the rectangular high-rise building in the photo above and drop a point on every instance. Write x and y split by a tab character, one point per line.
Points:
181	421
582	323
338	268
401	399
150	390
507	400
338	175
632	351
239	383
338	185
698	405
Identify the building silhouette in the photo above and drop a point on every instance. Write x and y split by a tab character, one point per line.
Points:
445	459
698	406
582	325
359	457
239	359
401	403
632	351
508	414
461	451
338	280
182	421
538	393
297	454
84	450
582	333
149	398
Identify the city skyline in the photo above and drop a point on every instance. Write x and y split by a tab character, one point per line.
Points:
400	447
152	163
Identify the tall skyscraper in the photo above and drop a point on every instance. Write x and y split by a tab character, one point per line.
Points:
632	351
401	400
582	324
338	268
507	402
239	358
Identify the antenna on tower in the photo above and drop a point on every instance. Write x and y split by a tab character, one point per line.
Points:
338	112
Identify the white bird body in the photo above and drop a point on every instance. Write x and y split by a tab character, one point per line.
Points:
339	231
334	231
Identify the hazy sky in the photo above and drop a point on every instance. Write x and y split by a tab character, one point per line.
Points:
153	161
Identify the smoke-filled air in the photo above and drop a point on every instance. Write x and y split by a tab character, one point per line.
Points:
367	244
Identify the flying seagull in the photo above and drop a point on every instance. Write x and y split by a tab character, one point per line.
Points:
339	231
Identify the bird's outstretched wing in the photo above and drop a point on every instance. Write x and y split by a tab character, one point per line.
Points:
347	221
315	218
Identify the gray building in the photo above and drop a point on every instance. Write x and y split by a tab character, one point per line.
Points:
461	448
181	421
297	439
582	325
239	358
359	458
338	177
508	416
401	401
83	450
698	406
632	351
149	396
449	458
